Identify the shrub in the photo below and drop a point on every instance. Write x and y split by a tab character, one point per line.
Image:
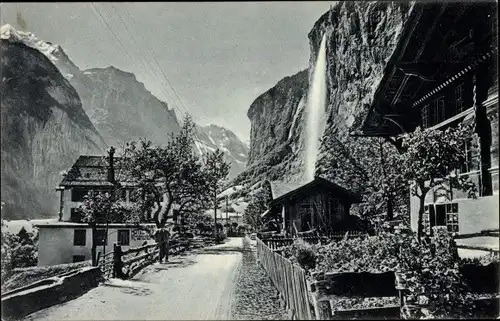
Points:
18	251
430	273
370	254
301	252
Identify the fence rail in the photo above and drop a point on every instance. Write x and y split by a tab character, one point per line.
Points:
126	263
277	242
289	279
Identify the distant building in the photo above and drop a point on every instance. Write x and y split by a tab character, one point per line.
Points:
70	240
444	72
317	205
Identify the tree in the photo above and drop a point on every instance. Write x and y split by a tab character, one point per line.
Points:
102	208
431	158
173	171
216	170
18	250
370	166
256	207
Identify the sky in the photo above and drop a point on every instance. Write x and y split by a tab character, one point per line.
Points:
214	58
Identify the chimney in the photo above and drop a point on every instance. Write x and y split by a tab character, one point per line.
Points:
111	166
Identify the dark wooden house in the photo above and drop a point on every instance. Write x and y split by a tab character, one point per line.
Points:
319	205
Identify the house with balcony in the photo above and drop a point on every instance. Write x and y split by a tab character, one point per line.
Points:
443	72
70	240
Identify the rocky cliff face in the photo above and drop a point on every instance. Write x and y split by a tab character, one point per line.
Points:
122	109
361	37
44	129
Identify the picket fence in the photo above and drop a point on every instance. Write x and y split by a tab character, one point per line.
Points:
289	279
277	242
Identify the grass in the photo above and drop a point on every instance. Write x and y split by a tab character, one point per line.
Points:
25	276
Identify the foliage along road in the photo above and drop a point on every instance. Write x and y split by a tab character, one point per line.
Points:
193	286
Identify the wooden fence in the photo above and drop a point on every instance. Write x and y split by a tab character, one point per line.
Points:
289	279
126	263
278	242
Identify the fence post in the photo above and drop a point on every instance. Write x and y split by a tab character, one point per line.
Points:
117	261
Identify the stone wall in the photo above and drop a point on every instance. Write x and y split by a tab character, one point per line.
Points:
43	294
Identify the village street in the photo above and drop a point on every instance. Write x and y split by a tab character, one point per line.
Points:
198	285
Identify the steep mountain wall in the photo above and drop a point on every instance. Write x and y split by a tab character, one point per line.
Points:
44	129
122	109
361	37
45	102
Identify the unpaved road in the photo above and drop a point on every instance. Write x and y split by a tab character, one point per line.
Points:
196	286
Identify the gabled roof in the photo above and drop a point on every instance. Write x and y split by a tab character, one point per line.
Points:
318	182
93	171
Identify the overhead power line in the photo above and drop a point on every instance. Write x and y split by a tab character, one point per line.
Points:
153	69
153	54
103	20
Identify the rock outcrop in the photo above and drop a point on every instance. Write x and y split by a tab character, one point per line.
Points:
122	109
44	129
52	112
361	36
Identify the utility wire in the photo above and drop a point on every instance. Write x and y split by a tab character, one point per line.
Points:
165	92
117	39
167	95
153	53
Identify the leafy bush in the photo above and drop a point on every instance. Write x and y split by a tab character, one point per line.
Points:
430	273
303	253
18	251
370	254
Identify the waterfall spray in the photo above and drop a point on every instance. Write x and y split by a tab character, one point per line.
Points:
315	112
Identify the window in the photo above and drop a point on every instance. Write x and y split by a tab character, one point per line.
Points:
77	194
80	237
440	215
452	217
76	215
459	100
439	111
78	258
101	237
123	237
425	116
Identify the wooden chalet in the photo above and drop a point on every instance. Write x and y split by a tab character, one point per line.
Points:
317	205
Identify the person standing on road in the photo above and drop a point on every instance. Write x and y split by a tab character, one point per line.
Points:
160	240
166	244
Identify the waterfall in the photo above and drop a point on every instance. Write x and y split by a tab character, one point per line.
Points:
315	112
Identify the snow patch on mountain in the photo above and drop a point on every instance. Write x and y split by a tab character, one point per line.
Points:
7	32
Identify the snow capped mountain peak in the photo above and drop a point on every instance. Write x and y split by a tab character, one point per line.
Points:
7	32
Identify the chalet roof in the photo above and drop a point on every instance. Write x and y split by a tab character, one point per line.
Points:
93	171
317	182
435	49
